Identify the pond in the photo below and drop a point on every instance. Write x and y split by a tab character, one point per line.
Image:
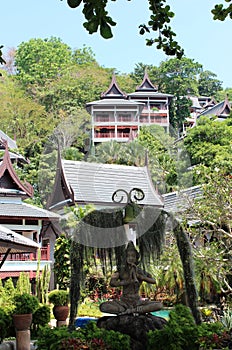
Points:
83	321
162	313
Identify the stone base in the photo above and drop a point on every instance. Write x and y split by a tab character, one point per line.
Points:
134	326
61	323
23	340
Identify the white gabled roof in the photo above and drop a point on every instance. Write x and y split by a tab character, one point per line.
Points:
96	182
15	242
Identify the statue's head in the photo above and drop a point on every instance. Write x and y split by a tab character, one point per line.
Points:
132	255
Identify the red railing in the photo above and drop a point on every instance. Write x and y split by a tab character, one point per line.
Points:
111	135
123	134
104	134
45	255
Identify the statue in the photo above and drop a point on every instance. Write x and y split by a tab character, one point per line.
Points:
130	278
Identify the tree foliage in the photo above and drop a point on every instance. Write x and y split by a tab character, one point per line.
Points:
209	144
38	60
22	117
211	234
98	19
208	84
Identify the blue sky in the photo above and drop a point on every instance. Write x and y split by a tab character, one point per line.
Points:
204	40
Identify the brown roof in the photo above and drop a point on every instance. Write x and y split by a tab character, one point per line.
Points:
146	84
9	180
113	91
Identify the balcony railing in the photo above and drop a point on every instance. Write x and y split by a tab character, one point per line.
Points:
100	119
45	255
104	134
111	135
153	120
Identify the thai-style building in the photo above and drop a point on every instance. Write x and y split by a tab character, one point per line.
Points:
198	105
118	116
20	219
114	117
82	183
155	104
220	110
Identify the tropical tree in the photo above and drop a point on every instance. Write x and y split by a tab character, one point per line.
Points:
62	267
223	93
209	144
179	76
208	84
179	112
139	70
22	118
77	85
211	234
212	271
106	152
38	60
84	56
162	156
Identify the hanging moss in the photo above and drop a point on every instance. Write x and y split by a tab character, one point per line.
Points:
92	230
101	230
151	226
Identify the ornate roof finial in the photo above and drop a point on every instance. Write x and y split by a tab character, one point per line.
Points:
113	91
146	84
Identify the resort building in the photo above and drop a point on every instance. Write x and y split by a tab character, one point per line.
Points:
20	219
221	110
118	116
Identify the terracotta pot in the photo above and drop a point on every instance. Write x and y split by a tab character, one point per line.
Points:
60	312
22	322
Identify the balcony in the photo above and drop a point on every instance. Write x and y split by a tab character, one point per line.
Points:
103	119
45	255
104	135
158	119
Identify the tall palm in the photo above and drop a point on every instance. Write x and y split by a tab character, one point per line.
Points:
106	152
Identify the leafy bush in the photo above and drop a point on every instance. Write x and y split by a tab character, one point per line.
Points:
179	333
227	320
90	337
25	303
41	318
212	336
58	297
5	324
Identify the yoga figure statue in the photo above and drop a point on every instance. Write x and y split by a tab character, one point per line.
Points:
130	278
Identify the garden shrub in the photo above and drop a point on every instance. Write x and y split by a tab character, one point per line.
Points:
91	336
5	325
179	333
41	318
213	336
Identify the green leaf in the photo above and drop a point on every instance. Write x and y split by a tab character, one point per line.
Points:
105	30
73	3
